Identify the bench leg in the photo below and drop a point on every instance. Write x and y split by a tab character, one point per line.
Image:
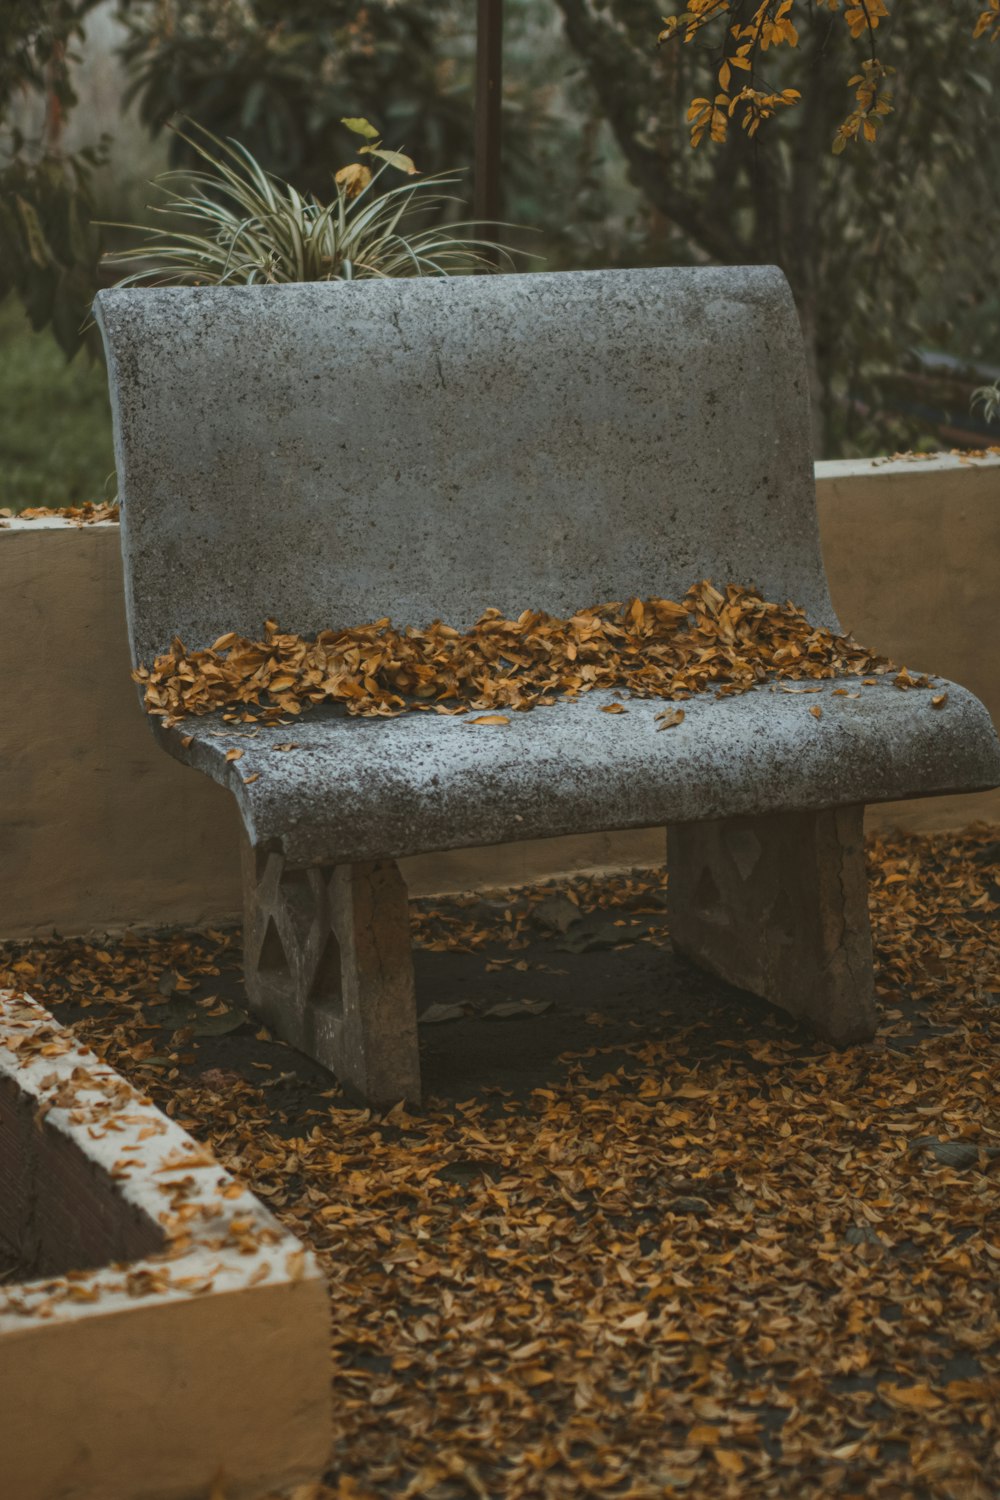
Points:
778	905
328	966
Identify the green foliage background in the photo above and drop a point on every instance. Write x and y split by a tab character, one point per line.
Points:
55	437
888	248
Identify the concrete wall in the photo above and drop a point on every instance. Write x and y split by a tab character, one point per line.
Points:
171	1328
98	828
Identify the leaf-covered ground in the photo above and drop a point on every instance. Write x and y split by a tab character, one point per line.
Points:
645	1237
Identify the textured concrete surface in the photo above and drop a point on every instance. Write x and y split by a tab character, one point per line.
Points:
361	789
328	965
779	906
332	453
259	476
141	1379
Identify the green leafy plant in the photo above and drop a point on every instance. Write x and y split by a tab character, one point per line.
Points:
48	246
987	398
234	223
278	75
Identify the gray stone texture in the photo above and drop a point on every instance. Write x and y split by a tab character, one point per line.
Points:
333	453
327	455
327	962
779	905
370	788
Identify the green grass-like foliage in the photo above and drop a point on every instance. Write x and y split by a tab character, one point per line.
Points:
55	431
236	224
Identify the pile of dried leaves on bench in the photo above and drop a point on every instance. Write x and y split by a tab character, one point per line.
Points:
713	1259
728	642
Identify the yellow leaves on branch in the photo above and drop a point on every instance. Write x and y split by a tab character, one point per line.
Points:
727	642
872	104
749	28
988	24
756	107
860	15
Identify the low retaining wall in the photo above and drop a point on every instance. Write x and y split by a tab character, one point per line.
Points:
99	828
173	1331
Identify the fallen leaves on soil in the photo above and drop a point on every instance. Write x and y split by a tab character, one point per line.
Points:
720	1260
728	642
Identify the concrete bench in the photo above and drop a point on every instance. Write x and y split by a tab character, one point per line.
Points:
330	454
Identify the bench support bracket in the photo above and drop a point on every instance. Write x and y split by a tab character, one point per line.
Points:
328	966
778	905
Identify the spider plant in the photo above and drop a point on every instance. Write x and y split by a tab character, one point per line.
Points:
233	223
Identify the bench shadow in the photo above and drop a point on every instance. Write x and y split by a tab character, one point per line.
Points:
598	1004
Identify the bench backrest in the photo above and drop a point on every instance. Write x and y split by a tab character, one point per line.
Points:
327	454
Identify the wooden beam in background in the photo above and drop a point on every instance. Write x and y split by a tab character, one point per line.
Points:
489	76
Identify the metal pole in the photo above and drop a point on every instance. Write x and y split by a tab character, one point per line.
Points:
489	71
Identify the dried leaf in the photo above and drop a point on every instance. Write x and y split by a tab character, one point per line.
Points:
508	1009
910	1397
728	642
729	1461
434	1015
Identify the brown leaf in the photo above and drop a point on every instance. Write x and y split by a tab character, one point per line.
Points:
729	1460
910	1397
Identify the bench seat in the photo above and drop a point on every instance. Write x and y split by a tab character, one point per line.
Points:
364	789
331	454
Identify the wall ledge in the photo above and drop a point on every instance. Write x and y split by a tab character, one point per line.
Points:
149	1260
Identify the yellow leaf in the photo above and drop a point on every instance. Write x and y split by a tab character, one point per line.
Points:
394	158
816	711
613	708
912	1397
670	718
729	1461
489	719
233	754
939	701
353	179
360	126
